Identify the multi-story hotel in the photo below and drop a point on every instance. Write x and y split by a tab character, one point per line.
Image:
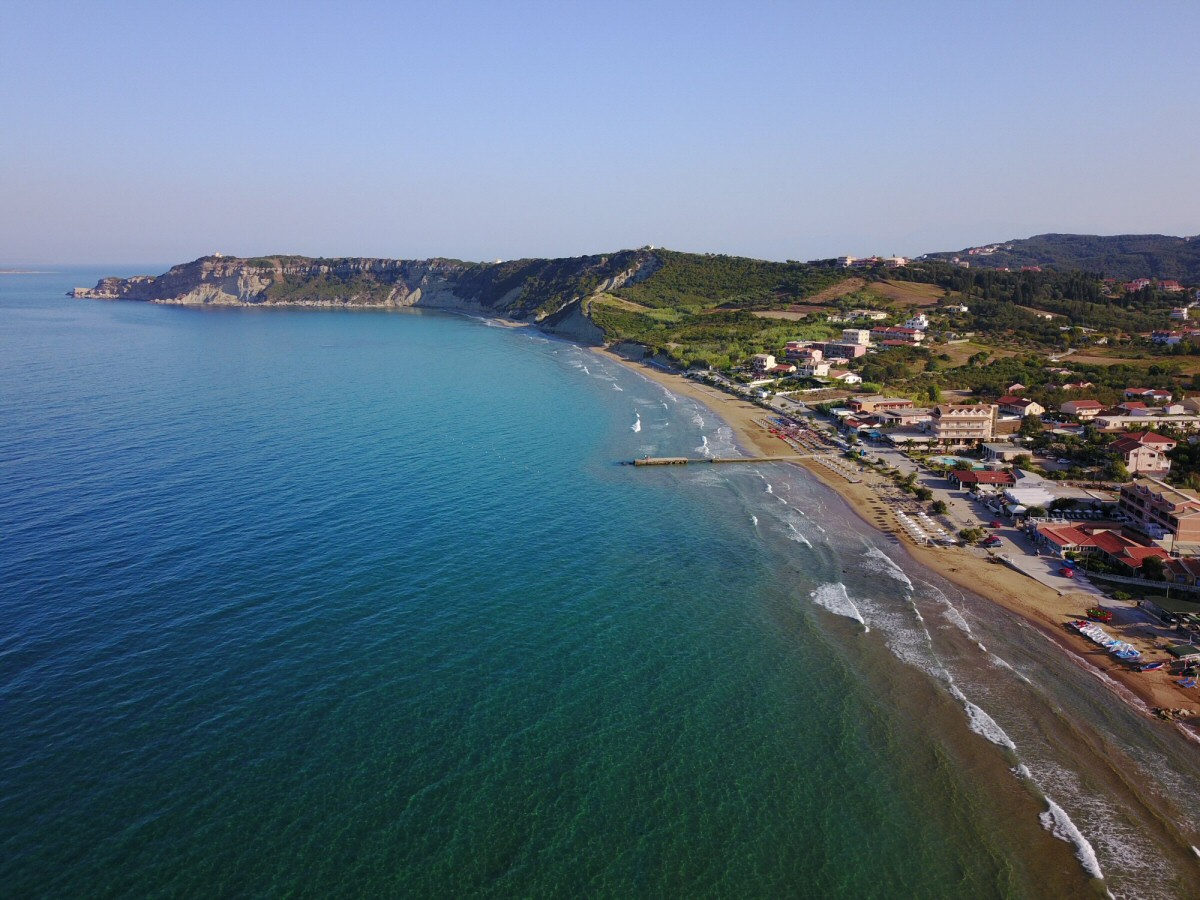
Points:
1160	511
956	424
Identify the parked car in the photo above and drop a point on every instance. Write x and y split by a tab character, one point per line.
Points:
992	541
995	523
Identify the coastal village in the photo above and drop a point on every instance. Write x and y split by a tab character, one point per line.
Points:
1086	496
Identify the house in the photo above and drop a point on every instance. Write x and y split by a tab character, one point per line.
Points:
1019	406
845	376
969	478
1137	284
781	370
956	308
813	369
870	315
1154	395
1092	540
856	336
1183	570
1144	452
877	403
1016	389
1117	422
956	424
762	361
886	333
1003	452
1136	408
1180	314
919	322
1077	386
1166	338
906	418
1170	286
1083	410
1158	510
841	349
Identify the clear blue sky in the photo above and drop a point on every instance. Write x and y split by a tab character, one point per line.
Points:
163	131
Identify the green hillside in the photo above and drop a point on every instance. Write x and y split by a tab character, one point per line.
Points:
1124	256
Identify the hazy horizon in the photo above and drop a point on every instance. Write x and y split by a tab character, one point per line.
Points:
538	130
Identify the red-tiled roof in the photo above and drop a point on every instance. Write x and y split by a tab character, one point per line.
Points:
1149	437
965	476
1065	535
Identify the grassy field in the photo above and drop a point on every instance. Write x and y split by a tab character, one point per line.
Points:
907	293
1189	365
792	314
960	353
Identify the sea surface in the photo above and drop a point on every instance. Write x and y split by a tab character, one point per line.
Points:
362	603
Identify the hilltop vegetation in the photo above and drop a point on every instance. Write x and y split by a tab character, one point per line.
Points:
1124	256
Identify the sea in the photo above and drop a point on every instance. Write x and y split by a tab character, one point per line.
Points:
364	603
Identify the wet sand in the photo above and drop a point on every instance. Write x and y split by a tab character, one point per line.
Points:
969	568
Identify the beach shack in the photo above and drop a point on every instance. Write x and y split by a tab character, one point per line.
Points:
1185	653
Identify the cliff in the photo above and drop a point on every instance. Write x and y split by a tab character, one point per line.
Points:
550	292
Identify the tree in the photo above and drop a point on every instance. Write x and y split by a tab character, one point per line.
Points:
938	507
1117	471
1031	426
1153	568
934	393
1022	461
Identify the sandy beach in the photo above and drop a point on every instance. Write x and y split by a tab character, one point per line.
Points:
969	568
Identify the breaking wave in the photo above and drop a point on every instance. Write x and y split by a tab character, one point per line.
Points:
637	423
885	565
1056	821
834	598
981	723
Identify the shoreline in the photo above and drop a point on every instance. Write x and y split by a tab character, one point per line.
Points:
1037	604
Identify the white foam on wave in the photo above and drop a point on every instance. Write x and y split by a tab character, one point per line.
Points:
885	565
698	420
754	519
1056	821
795	535
617	387
704	448
834	598
637	423
770	490
1196	851
981	723
585	370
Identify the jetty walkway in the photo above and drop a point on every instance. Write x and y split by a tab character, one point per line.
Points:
687	460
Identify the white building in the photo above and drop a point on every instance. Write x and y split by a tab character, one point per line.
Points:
762	361
860	336
918	322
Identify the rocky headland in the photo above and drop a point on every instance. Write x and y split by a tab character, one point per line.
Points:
552	293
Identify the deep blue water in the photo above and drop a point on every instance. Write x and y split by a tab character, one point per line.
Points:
361	603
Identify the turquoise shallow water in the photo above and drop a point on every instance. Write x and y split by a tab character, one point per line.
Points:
360	603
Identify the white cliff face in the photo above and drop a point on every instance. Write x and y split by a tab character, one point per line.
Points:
552	293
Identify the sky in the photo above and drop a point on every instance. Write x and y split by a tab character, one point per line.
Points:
161	132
